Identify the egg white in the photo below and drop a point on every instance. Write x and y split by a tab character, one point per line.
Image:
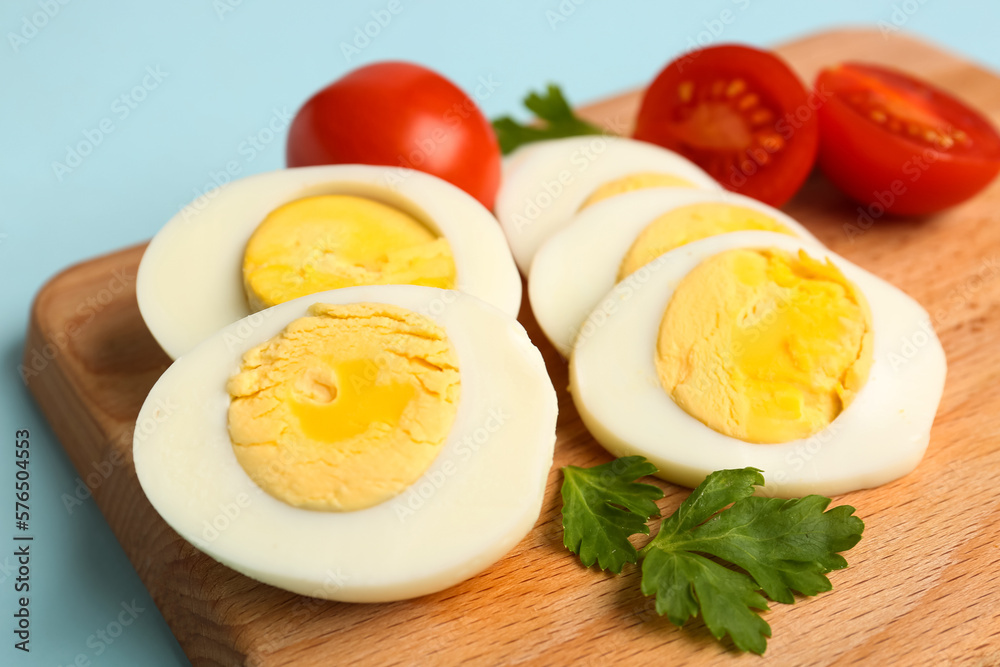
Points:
579	264
478	499
881	436
545	183
190	282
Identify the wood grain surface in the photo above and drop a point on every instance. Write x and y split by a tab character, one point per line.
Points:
923	587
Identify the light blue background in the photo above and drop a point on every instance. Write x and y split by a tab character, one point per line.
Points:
226	72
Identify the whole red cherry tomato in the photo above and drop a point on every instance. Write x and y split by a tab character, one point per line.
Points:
399	114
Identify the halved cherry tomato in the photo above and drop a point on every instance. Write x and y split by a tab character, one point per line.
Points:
741	114
399	114
893	141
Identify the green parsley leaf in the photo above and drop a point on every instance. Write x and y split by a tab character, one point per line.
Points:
603	506
551	107
684	582
780	546
784	545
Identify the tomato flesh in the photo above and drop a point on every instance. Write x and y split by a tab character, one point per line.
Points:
399	114
739	113
899	145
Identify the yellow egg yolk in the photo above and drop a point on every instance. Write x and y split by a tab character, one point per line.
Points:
332	241
690	223
637	181
345	408
764	346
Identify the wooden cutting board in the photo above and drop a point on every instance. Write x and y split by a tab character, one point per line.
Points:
924	583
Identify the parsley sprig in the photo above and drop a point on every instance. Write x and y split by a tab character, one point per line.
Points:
550	107
780	546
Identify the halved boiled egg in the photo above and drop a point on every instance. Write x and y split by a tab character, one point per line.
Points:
272	237
608	243
544	184
760	349
362	444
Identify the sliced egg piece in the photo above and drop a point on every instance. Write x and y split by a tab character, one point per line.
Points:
478	498
608	242
879	436
544	184
196	275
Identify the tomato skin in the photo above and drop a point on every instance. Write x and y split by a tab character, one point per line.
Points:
889	170
399	114
738	169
